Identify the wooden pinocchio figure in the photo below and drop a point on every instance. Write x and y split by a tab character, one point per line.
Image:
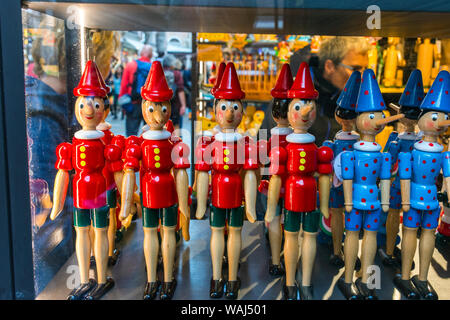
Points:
418	171
299	160
345	115
280	105
409	102
360	169
163	192
226	155
86	156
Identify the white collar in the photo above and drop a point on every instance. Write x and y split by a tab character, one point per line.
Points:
428	146
104	126
228	136
206	133
407	136
300	138
156	135
89	134
346	135
366	146
281	131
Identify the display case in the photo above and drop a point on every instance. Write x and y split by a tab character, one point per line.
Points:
55	39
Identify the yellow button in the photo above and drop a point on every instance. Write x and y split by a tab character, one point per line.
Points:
301	168
157	158
302	160
83	155
156	151
83	163
226	159
157	165
82	148
226	167
226	152
302	154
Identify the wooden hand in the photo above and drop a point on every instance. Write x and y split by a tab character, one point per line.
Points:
202	188
129	180
273	195
59	193
250	195
182	184
324	193
348	195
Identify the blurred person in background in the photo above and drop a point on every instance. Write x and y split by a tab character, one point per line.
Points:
116	80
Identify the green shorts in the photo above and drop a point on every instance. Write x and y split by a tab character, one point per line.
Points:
293	220
111	198
218	216
99	216
168	216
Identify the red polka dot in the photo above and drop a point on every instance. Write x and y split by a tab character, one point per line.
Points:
429	212
432	102
366	165
382	103
368	226
387	159
434	161
421	198
366	92
429	191
345	89
434	198
376	220
364	178
428	225
374	171
398	193
424	177
409	218
348	219
371	190
407	169
420	141
353	105
431	91
375	160
432	170
361	144
357	226
346	169
428	207
363	200
407	93
356	212
417	224
440	79
431	145
371	207
446	91
424	162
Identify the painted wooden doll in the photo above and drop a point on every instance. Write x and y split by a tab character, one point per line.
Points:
409	101
360	169
299	160
346	116
163	193
226	154
418	171
86	156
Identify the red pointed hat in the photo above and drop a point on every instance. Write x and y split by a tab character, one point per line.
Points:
303	87
229	87
284	83
155	88
91	82
218	78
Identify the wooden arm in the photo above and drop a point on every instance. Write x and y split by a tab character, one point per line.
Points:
273	195
385	185
202	188
59	193
250	195
348	195
128	183
118	179
405	191
324	193
447	184
182	184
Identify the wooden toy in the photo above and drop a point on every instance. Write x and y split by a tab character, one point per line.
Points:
226	154
393	60
360	169
298	161
163	192
86	156
418	171
428	58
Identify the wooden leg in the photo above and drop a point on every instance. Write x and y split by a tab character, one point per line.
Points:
392	227
308	256
291	249
368	251
83	251
351	246
275	237
92	238
426	248
168	246
337	229
409	243
101	253
217	248
112	231
151	248
234	245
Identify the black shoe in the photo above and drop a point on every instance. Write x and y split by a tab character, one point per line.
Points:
216	289
306	292
80	292
406	288
336	261
168	290
365	292
348	290
357	264
232	289
388	260
290	292
112	260
276	270
424	288
151	290
100	290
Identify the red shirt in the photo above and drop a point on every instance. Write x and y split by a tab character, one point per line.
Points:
128	76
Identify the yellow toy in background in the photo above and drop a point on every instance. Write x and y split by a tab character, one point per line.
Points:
283	52
428	60
373	56
393	60
251	121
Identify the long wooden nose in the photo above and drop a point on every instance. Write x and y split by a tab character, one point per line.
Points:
304	112
389	119
444	123
158	116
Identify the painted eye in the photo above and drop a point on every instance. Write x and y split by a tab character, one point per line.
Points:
297	107
372	116
97	106
434	116
150	109
383	115
164	109
81	106
446	117
223	107
235	106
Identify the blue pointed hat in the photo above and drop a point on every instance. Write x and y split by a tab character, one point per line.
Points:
347	98
413	94
438	98
369	97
